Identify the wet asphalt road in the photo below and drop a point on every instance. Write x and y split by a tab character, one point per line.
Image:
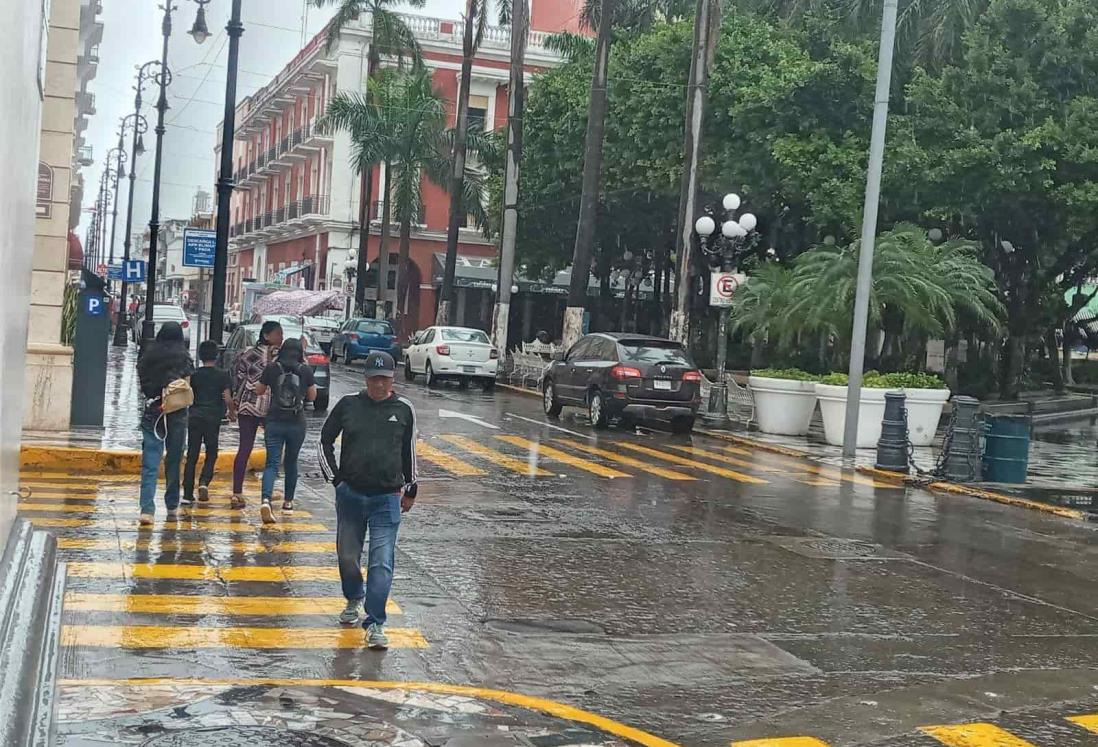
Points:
699	591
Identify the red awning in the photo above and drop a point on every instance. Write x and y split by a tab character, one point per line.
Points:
76	252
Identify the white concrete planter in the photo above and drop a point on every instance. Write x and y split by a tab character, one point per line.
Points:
783	406
870	414
924	410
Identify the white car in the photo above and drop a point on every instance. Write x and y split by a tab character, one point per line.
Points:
457	353
167	313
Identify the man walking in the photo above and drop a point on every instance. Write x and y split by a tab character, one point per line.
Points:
375	481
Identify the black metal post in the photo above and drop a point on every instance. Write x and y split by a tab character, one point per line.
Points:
140	125
225	182
164	78
120	163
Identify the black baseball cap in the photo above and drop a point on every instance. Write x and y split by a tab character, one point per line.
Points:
380	364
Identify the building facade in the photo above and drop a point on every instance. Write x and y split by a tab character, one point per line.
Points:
72	57
296	206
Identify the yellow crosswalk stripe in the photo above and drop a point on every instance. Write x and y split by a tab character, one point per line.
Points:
537	450
796	474
451	464
652	469
112	525
157	636
183	572
133	510
1088	722
782	742
974	735
181	604
515	465
675	459
52	487
211	545
828	473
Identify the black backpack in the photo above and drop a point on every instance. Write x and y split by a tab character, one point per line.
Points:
288	395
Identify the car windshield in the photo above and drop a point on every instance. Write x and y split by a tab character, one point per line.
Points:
464	335
375	328
168	312
654	351
320	321
289	332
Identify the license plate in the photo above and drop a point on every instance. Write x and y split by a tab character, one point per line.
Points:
469	369
661	385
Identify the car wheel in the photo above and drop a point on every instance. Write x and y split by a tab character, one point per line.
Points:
549	400
596	410
432	380
682	425
488	384
320	404
409	374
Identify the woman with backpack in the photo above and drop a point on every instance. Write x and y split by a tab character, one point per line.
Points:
290	383
161	372
250	405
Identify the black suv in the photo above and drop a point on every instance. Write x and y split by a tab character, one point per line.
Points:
614	374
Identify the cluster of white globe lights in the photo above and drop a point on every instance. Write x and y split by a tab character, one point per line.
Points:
731	229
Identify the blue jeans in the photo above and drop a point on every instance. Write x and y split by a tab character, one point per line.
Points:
152	452
282	435
355	513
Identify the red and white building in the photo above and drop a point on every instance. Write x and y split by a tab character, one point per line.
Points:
296	205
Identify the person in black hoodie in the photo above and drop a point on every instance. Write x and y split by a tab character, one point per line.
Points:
165	361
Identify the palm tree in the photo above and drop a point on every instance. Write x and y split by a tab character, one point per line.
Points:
604	16
390	34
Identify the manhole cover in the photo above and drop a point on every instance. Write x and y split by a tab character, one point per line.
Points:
243	736
555	626
832	548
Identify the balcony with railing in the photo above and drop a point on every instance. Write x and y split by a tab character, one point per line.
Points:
292	215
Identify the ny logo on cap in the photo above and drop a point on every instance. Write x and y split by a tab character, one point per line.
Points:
379	362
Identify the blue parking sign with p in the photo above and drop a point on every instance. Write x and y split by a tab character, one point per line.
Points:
133	271
95	305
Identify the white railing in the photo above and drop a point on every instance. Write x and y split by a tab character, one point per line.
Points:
427	28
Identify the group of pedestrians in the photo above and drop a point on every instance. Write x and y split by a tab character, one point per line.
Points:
375	474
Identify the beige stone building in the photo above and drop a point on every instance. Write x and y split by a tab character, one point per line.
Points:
72	56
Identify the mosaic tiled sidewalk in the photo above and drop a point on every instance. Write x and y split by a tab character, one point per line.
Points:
302	716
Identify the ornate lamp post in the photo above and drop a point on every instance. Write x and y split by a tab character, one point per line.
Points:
724	252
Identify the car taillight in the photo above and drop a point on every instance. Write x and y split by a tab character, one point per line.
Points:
692	376
184	324
318	359
621	373
442	349
352	336
494	354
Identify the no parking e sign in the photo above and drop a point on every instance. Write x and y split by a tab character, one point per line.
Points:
723	286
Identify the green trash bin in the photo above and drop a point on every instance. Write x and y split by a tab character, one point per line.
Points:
1006	451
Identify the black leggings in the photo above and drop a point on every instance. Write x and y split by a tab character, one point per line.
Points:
200	430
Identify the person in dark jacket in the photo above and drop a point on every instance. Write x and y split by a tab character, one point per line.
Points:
375	480
165	361
291	384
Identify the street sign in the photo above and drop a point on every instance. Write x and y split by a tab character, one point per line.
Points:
133	271
95	305
199	247
723	286
114	272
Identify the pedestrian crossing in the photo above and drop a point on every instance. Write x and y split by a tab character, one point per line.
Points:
976	734
217	578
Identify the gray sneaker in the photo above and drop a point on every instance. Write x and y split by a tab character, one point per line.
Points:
376	638
351	613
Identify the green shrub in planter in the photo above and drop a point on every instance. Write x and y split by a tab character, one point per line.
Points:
789	374
910	381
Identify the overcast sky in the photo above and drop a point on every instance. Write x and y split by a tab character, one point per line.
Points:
131	37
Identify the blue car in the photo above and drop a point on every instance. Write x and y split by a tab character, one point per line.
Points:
360	337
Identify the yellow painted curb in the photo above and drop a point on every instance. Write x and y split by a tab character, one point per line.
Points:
939	486
521	390
93	461
552	708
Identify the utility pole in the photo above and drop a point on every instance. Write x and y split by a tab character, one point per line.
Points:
140	125
515	104
869	227
707	23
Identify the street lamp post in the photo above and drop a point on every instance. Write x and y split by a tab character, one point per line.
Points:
139	125
725	252
163	77
119	173
225	183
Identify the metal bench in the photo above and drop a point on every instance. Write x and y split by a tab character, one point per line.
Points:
741	400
